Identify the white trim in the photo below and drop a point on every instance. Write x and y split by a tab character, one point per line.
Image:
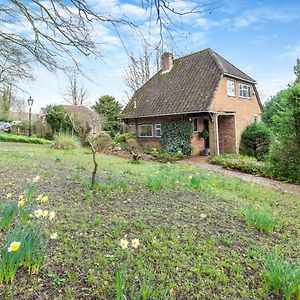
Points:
249	86
234	86
240	78
157	136
139	130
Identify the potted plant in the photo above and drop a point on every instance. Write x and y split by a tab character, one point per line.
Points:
205	135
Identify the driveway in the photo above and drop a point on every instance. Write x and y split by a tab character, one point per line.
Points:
203	162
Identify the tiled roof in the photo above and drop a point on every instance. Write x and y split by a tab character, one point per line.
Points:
188	87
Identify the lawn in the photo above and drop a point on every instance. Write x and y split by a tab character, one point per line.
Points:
198	233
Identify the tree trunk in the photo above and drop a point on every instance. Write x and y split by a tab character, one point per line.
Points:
94	174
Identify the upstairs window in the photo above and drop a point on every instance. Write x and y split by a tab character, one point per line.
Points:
245	91
158	130
145	130
195	125
231	88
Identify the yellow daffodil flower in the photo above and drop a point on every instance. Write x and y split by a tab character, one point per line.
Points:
52	215
45	213
124	244
40	197
53	236
9	195
44	199
14	246
135	243
21	197
38	213
21	202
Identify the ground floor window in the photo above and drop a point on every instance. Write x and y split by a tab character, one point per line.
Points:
145	130
195	125
158	130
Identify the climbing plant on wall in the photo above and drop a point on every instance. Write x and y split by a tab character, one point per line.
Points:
176	136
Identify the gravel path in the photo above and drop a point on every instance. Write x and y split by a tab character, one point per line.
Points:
203	162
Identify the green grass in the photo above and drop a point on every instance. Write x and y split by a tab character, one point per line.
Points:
194	242
22	139
260	218
283	277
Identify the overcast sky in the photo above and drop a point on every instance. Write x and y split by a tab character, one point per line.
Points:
262	38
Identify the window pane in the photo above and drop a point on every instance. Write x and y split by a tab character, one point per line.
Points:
158	130
195	127
146	130
230	88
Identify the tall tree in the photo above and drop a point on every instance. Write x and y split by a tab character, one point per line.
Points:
297	70
110	108
76	93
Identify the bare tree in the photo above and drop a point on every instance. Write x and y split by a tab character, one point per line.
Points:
76	94
140	69
58	29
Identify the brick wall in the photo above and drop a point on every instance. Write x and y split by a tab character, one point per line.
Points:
245	109
227	137
197	142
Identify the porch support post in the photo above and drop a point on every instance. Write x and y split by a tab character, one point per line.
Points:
216	133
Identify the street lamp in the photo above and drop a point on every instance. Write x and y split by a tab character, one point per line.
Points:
30	103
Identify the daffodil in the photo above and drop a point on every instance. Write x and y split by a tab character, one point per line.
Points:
21	197
44	199
14	246
21	202
53	236
38	213
135	243
52	215
45	213
40	197
124	243
36	178
9	195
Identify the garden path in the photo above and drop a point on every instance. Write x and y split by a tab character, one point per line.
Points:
203	162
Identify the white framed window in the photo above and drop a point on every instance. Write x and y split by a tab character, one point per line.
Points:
145	130
245	90
231	88
195	125
158	130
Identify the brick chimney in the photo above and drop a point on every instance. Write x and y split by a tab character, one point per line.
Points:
166	62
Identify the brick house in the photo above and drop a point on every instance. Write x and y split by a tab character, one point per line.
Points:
204	88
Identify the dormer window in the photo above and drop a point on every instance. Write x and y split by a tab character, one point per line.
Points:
231	88
245	90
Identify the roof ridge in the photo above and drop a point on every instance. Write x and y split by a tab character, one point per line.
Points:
217	55
194	53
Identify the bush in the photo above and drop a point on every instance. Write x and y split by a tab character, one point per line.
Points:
122	138
164	156
245	164
58	118
21	139
100	141
285	155
65	141
176	136
256	140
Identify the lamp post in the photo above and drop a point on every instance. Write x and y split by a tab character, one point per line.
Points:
30	103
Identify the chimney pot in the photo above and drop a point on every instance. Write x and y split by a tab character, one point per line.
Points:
166	62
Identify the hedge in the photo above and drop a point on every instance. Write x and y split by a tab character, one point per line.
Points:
22	139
